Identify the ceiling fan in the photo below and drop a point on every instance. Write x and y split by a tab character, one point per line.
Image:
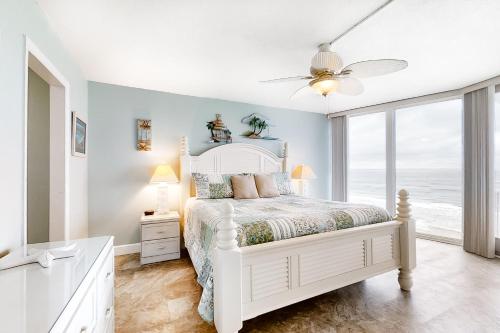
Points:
328	74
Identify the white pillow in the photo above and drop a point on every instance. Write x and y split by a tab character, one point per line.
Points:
283	182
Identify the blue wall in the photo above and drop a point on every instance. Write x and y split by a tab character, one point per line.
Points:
119	174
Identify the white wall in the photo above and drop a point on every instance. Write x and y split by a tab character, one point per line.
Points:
17	19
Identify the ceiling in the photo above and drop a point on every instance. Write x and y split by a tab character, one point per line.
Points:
222	48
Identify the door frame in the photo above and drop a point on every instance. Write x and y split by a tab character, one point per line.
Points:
60	142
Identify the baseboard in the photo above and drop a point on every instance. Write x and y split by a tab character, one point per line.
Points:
127	249
440	239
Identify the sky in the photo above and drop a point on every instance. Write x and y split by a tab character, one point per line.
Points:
427	136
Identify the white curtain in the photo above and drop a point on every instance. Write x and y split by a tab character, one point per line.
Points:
339	158
478	210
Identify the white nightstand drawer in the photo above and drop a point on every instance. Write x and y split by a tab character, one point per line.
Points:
159	247
160	230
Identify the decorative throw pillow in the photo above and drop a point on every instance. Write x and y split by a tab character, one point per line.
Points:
212	186
244	187
283	182
266	186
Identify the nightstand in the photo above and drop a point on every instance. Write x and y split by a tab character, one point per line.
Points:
160	238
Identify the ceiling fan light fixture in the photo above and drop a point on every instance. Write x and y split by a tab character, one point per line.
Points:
324	86
326	59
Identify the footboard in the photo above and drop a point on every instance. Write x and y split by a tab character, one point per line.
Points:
253	280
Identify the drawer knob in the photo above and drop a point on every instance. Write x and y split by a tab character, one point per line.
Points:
161	248
108	311
161	232
83	329
108	275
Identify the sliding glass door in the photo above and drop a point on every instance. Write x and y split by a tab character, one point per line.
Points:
367	159
424	155
429	166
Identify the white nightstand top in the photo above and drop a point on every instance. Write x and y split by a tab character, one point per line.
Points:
173	215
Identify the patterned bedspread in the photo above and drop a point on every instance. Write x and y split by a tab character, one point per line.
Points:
265	220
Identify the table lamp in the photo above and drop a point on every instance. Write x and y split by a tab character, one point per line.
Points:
303	173
163	176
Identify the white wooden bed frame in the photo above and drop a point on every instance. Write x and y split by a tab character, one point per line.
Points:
253	280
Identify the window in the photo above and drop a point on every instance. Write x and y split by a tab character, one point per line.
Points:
367	159
429	166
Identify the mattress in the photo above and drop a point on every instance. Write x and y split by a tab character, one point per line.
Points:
265	220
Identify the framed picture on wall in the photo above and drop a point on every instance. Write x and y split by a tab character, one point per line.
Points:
144	134
78	135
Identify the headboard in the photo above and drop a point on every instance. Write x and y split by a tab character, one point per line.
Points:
228	158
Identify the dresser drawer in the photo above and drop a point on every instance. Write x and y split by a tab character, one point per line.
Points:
160	230
105	276
105	314
110	328
105	294
84	319
159	247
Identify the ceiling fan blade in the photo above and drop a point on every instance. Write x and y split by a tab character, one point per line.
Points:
371	68
350	86
301	91
287	79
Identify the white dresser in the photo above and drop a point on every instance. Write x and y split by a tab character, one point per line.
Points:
160	238
74	295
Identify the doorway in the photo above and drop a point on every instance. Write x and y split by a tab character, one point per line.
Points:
47	143
38	159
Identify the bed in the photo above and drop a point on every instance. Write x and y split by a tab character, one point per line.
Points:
250	256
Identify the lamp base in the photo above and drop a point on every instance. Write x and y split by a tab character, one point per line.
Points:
162	200
302	187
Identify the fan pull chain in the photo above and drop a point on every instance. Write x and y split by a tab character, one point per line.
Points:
360	22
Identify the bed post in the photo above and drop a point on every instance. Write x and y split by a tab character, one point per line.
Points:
407	238
285	156
185	175
227	275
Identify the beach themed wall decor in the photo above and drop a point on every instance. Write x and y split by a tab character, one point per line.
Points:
78	135
144	134
258	124
218	131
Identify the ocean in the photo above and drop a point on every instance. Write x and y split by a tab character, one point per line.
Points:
435	195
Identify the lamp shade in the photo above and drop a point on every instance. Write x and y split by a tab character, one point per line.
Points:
302	171
164	174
